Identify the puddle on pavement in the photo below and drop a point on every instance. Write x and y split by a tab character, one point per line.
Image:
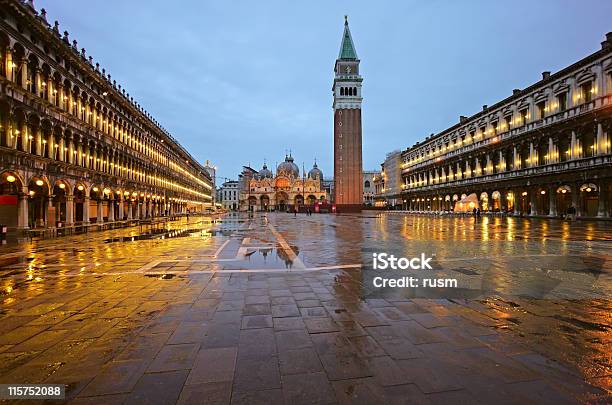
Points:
265	258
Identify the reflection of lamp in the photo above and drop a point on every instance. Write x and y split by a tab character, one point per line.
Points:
10	178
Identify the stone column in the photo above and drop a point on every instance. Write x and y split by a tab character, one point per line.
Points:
552	198
25	141
86	210
24	75
599	143
69	210
111	210
602	200
121	209
138	207
576	199
22	211
532	155
50	219
39	143
503	200
517	201
129	213
533	199
99	214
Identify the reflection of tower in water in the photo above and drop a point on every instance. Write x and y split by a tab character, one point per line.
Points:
285	257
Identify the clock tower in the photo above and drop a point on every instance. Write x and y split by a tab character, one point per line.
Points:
348	172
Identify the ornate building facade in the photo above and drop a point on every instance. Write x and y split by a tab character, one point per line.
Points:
283	191
348	166
75	148
545	150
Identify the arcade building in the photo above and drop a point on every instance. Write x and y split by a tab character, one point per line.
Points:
75	148
543	151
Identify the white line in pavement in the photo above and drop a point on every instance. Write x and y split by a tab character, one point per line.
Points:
218	252
290	253
191	272
337	267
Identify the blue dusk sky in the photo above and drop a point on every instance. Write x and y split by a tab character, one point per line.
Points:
237	82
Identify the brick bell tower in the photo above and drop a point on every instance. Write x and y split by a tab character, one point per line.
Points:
348	173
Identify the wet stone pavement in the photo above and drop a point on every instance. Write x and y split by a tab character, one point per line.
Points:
278	309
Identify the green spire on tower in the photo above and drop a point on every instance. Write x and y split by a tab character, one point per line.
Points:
347	48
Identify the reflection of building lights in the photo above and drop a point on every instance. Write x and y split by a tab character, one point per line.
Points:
95	189
80	188
524	193
39	182
62	186
588	189
31	192
10	178
543	192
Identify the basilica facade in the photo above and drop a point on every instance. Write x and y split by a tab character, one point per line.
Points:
284	190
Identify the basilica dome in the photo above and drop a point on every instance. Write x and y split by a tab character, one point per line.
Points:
264	173
288	168
315	172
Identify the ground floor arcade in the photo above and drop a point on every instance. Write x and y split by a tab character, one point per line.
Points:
40	201
584	198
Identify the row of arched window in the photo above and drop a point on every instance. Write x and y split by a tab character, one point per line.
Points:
348	91
561	148
63	94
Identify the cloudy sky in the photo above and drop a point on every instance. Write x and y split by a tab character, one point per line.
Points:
238	82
